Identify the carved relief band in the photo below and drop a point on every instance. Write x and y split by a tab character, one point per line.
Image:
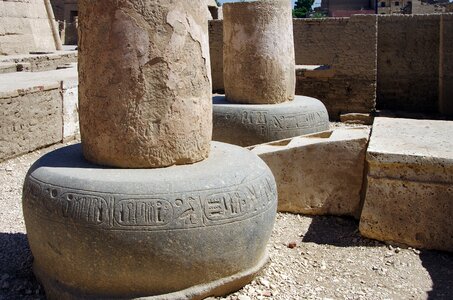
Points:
142	212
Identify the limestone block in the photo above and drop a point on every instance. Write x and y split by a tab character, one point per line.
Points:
250	124
357	118
258	52
409	197
70	108
319	174
29	120
145	91
182	232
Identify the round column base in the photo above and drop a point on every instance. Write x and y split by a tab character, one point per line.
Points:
188	231
251	124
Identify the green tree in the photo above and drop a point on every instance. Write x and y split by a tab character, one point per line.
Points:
302	8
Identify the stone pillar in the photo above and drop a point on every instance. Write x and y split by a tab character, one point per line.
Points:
145	82
259	52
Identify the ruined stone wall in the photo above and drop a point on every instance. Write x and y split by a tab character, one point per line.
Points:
34	117
216	51
348	47
24	27
30	120
408	62
446	65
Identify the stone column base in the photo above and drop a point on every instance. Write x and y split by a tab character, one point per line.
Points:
251	124
188	231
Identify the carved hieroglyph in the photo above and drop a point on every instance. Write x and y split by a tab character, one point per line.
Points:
259	52
145	82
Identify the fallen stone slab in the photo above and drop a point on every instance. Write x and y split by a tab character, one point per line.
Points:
319	174
409	199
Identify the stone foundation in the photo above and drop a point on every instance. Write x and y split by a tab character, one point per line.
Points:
409	197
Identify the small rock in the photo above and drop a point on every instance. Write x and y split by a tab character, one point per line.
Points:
266	293
244	297
265	282
292	245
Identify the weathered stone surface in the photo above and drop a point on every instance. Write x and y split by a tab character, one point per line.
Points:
181	232
216	52
347	52
319	174
250	124
446	65
24	27
31	106
357	118
258	52
70	108
408	80
40	62
29	120
145	91
410	183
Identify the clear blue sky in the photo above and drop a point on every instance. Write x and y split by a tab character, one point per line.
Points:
317	2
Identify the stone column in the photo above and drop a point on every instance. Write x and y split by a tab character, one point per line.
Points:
145	82
259	52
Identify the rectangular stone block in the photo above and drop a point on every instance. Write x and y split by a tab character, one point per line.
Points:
320	174
29	121
409	198
70	109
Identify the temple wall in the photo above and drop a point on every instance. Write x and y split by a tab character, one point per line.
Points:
24	27
408	62
346	47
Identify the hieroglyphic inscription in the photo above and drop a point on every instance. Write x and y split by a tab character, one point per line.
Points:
173	211
298	121
85	208
143	212
267	124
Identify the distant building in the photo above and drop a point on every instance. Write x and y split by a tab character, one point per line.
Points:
347	8
411	6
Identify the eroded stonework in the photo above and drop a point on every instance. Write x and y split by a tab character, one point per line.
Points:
258	52
145	90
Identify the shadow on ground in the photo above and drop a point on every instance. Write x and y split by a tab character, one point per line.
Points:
440	268
16	277
343	232
336	231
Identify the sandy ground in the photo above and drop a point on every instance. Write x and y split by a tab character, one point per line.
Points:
310	258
